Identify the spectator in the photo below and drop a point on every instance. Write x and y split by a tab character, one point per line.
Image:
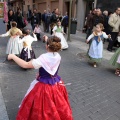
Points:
19	19
54	19
65	22
34	19
89	23
11	18
98	17
44	20
114	22
48	17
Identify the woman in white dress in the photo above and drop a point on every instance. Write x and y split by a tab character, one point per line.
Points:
58	31
13	47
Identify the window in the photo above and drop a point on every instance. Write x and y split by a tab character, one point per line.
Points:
33	1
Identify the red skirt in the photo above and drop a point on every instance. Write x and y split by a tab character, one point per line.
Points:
46	102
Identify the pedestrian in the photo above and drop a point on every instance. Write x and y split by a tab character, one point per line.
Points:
54	18
47	98
96	46
58	31
27	52
34	19
47	21
19	19
114	22
64	22
89	22
12	46
37	31
11	18
115	61
98	17
29	14
44	20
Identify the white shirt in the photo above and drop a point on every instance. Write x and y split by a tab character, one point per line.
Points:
55	28
28	40
92	35
37	30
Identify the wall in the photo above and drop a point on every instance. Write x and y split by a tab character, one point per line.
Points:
81	10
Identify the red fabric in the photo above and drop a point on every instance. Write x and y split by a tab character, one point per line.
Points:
46	102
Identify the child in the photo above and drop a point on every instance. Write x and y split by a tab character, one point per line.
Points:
13	47
115	60
96	46
47	98
58	31
27	52
37	31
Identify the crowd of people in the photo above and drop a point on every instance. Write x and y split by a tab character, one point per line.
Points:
47	98
100	27
109	20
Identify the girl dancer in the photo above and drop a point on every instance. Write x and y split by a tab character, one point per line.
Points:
115	61
96	46
13	47
58	31
47	98
37	31
27	52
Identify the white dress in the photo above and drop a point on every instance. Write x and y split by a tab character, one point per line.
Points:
96	48
13	47
58	32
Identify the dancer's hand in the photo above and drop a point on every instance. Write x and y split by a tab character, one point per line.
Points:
10	56
87	41
109	36
45	38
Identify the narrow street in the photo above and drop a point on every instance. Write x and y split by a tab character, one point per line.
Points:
94	93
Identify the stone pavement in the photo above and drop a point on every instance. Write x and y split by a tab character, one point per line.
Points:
94	93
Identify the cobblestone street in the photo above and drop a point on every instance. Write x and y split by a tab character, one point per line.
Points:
94	93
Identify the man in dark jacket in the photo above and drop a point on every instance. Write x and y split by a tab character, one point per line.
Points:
65	22
44	20
34	19
90	23
98	17
54	18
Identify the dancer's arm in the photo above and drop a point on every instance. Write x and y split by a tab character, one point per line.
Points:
5	35
20	62
35	38
54	29
89	38
106	36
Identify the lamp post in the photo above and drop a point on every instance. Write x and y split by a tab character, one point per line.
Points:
69	25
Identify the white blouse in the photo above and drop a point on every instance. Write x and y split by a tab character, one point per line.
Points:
92	35
28	40
55	28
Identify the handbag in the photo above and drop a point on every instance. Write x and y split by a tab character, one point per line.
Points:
118	60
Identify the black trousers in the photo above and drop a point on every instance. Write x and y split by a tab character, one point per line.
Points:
89	32
114	41
38	35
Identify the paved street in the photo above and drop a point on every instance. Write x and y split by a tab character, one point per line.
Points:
94	93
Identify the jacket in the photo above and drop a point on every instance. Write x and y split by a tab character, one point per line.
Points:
114	21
